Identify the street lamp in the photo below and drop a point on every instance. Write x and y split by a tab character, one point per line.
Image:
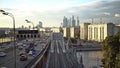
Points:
30	22
14	47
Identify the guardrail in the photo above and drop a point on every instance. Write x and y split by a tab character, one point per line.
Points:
88	48
34	63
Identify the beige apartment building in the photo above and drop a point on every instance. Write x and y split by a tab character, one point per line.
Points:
74	31
92	31
71	32
84	30
99	31
66	32
55	29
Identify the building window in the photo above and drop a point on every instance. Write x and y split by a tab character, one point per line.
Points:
28	36
94	32
31	36
34	36
18	36
21	36
24	36
91	33
102	33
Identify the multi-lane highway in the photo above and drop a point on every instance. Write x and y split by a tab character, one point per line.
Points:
59	56
8	60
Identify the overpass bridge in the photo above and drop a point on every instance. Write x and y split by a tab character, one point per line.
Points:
55	55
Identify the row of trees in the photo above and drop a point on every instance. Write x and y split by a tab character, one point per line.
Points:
111	49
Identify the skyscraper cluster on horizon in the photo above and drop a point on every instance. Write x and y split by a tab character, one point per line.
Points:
70	22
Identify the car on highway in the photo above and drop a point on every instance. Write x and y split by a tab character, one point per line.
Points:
19	44
23	57
22	53
24	45
2	54
4	47
20	47
2	50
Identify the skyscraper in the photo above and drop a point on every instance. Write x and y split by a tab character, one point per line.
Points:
40	24
65	22
78	21
73	21
69	22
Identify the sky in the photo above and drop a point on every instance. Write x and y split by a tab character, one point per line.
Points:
51	12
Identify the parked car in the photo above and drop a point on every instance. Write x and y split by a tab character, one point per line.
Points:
23	57
2	54
20	47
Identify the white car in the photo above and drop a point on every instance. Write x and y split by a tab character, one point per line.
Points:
19	44
24	45
2	54
20	47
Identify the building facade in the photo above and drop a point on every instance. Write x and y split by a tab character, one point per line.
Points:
66	32
74	32
26	34
73	22
99	31
65	22
4	30
84	31
40	24
77	21
55	29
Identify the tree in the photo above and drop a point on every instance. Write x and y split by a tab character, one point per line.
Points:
111	46
61	30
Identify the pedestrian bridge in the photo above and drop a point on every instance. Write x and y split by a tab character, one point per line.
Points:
55	55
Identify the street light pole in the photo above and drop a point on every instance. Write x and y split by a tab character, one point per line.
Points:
14	47
33	27
30	22
14	40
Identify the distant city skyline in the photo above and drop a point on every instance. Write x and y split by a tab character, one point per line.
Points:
51	12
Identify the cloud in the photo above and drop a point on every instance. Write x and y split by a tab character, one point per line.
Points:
106	13
8	9
117	15
96	9
108	10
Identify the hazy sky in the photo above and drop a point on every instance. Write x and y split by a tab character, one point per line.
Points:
51	12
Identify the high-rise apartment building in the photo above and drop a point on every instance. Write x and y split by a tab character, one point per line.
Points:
77	24
74	31
40	24
65	22
73	21
66	32
69	22
84	30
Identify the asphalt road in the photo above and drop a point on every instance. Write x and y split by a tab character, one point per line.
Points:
8	61
58	56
